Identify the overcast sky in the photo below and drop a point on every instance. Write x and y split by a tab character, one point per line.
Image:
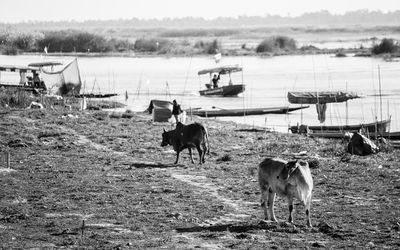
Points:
12	11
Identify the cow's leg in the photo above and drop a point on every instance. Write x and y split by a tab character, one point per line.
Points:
271	199
290	203
190	154
200	152
264	199
204	151
308	205
177	157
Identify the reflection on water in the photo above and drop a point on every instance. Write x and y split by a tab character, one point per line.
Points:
268	80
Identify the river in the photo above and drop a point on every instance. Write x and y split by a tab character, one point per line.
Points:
267	79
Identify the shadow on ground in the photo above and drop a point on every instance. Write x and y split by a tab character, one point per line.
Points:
245	227
153	165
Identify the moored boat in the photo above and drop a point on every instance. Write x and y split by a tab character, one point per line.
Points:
242	112
321	99
42	78
368	127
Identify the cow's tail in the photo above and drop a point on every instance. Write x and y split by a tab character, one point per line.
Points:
208	143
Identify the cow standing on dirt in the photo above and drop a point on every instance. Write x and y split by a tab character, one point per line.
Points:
289	179
187	136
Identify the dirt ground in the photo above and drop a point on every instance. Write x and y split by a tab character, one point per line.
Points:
89	180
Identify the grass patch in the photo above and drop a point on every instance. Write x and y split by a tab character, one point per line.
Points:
160	45
15	98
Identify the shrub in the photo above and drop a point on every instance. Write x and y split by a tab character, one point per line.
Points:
208	47
385	46
152	45
73	41
276	43
9	50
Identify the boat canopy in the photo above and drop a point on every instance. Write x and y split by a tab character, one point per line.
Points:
13	68
320	97
44	64
221	70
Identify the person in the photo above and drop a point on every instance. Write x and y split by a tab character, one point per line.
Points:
36	79
215	80
176	110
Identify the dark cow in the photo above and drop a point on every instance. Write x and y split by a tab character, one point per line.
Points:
187	136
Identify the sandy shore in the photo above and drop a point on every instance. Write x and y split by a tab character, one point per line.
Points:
87	180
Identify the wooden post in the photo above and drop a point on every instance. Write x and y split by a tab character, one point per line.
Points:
83	227
380	90
8	159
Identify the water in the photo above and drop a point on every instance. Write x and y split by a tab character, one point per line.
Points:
267	82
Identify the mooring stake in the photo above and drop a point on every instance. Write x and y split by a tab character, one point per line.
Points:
8	159
83	227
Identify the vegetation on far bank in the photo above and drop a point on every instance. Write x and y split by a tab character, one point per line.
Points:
176	42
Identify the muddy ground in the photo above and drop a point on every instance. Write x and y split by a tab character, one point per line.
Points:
91	180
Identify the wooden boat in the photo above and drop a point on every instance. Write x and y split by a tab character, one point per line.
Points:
342	134
368	127
40	77
388	135
242	112
29	79
320	97
227	90
334	97
96	95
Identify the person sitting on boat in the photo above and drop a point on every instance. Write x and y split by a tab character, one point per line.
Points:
176	110
36	80
215	80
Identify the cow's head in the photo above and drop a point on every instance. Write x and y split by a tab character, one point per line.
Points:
289	169
165	139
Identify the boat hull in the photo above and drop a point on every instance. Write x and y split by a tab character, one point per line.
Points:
243	112
230	90
341	135
379	126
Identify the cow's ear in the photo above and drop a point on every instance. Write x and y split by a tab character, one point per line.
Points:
164	130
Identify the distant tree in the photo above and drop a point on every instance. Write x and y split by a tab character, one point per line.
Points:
22	41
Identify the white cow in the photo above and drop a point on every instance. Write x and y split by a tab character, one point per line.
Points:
289	179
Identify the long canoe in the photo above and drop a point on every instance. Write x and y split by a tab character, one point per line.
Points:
341	134
242	112
370	127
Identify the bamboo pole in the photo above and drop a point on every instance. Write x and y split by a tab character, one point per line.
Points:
8	159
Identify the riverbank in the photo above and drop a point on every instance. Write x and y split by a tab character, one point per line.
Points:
95	180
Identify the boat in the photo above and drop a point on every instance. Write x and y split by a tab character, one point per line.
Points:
242	112
344	134
91	95
321	99
42	78
388	135
226	90
29	80
367	127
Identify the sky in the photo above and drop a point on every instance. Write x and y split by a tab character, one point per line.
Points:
13	11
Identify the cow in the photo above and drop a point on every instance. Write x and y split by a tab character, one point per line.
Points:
289	179
187	136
